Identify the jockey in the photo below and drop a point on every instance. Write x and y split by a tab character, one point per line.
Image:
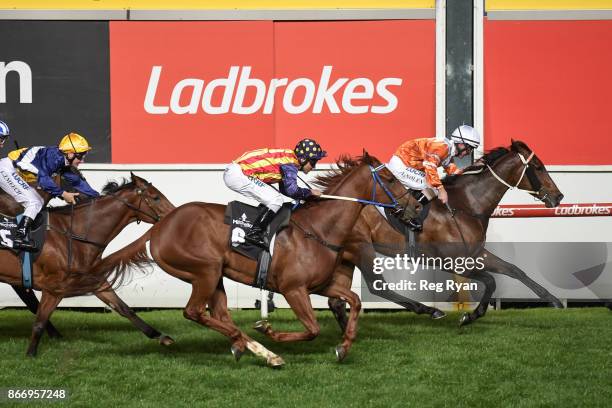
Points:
39	164
4	133
252	173
415	164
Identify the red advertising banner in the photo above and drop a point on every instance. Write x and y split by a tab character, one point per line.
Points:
548	83
205	92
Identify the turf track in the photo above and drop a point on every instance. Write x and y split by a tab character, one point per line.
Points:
537	357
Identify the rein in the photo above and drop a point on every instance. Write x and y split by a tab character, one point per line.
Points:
70	235
377	180
374	171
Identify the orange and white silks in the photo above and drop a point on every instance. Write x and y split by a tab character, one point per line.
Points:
427	155
264	164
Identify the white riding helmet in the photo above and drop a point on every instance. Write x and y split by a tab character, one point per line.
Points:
4	130
466	134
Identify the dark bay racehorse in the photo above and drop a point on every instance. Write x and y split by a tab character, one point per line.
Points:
473	197
76	237
191	244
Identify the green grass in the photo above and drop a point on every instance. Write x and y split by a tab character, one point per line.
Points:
537	357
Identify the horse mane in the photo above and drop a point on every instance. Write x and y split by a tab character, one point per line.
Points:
345	164
489	158
109	188
112	186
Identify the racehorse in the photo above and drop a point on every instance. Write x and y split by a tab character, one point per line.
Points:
473	197
191	244
76	237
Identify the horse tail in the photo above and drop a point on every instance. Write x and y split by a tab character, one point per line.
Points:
108	272
117	268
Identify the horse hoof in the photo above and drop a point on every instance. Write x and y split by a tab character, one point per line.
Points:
340	353
465	320
262	326
165	340
438	314
237	352
31	354
276	362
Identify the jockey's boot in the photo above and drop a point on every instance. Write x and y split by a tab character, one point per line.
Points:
22	237
255	235
411	218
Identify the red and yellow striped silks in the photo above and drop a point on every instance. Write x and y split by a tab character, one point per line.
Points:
264	164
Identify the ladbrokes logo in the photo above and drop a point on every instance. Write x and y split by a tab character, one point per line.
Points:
503	212
299	95
582	210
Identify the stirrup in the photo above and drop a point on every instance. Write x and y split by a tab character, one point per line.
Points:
414	225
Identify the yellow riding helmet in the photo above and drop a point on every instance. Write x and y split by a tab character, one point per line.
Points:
74	143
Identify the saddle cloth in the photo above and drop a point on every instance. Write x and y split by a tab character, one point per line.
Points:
240	217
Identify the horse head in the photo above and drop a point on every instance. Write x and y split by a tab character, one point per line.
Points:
147	202
364	177
537	182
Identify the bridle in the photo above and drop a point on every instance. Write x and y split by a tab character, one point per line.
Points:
155	216
70	235
395	205
378	180
538	191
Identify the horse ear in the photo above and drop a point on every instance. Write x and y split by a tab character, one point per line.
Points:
513	145
365	153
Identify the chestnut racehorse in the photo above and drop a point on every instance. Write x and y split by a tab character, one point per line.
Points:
473	196
76	237
191	244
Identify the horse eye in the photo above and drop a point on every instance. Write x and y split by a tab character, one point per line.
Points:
157	198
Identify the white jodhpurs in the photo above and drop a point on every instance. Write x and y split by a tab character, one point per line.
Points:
411	178
16	187
251	187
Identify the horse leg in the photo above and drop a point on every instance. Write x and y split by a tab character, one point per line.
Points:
31	301
299	301
195	310
338	309
48	303
489	283
218	304
411	305
497	265
351	328
109	296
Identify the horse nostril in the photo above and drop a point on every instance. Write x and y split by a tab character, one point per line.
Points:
559	198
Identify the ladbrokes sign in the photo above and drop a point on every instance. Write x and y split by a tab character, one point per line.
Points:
197	92
316	95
